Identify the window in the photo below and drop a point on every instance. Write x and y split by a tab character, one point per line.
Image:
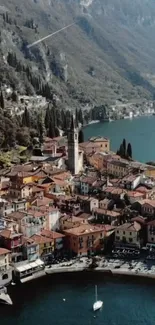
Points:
101	234
117	237
123	232
152	239
117	231
44	245
130	240
106	145
130	233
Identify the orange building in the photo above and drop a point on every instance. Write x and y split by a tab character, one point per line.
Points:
87	239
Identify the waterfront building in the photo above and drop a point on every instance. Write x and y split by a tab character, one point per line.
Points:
87	239
30	249
58	241
128	234
5	268
46	246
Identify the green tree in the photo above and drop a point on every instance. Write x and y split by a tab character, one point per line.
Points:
14	96
23	136
124	146
26	121
2	103
80	116
41	128
57	132
47	117
51	130
129	150
81	136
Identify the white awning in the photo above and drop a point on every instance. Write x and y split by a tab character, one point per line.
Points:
29	266
39	262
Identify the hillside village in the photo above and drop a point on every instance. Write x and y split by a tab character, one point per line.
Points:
74	200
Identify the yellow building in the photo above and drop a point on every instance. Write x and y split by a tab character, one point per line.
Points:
46	245
4	259
150	171
128	233
117	168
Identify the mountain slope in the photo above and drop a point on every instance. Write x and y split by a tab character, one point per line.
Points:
108	54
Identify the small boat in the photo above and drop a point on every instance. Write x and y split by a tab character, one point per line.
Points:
98	303
4	297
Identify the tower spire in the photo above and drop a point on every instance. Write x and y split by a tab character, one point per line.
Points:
72	123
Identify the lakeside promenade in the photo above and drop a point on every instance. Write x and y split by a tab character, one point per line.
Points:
109	266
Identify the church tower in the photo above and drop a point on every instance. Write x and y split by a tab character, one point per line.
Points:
73	148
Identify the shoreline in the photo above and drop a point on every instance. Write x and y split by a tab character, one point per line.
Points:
74	269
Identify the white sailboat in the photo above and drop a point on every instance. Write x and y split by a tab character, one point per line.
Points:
98	303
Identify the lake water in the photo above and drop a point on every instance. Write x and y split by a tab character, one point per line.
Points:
140	132
41	302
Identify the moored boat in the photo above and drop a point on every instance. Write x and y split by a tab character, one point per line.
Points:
4	297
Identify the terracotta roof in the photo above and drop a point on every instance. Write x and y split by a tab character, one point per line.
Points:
138	219
84	215
8	234
149	202
38	239
42	201
110	213
142	189
87	229
18	215
4	251
151	223
51	234
114	190
135	194
134	226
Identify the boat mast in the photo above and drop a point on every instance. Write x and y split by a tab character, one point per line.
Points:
96	292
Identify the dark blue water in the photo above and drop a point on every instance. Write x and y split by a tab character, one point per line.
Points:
125	303
140	132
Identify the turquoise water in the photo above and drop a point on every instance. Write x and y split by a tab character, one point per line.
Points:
125	303
140	132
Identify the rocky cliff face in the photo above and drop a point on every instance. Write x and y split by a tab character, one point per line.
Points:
114	39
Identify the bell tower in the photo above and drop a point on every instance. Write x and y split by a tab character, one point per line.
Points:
73	148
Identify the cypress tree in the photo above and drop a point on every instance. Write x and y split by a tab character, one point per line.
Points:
41	127
81	136
129	150
2	104
51	130
26	121
121	151
80	116
57	133
124	146
47	117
